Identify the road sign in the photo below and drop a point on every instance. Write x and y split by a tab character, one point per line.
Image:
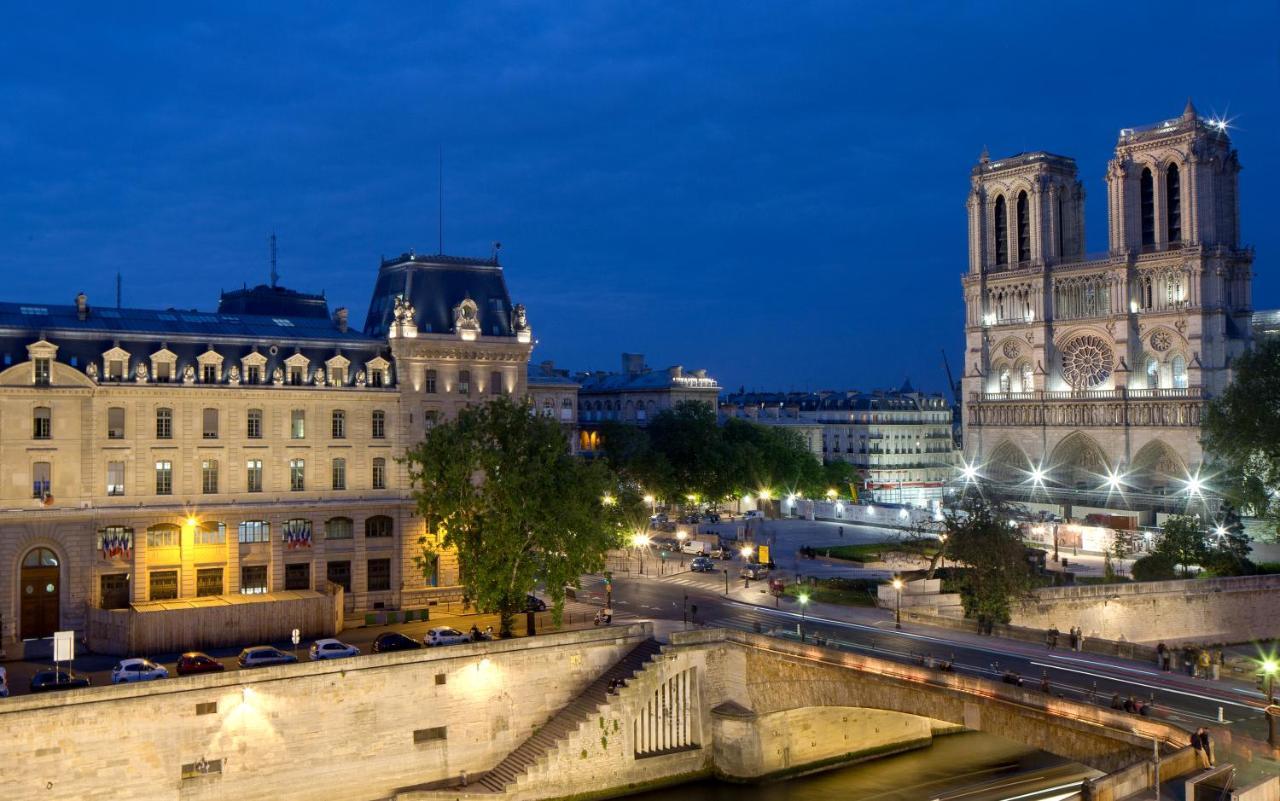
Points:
64	646
297	636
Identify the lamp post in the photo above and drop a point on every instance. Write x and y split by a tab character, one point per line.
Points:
897	607
1270	667
803	598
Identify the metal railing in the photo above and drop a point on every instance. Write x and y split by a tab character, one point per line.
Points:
1120	393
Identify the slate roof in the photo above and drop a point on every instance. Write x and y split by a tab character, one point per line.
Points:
633	382
435	285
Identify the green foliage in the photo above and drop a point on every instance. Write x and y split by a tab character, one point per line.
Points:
979	535
1183	543
1155	567
1108	569
517	507
844	591
1242	432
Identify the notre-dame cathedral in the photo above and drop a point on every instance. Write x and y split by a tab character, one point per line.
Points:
1086	375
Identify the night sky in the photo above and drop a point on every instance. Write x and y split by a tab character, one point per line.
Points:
771	191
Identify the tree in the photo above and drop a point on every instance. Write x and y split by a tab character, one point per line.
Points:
1242	432
980	536
688	438
1183	543
499	486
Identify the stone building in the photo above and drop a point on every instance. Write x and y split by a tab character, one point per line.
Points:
1085	375
166	455
554	393
635	394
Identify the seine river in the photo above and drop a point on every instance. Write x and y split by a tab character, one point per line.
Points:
960	767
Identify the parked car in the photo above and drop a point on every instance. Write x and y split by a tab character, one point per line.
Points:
720	552
691	519
444	635
130	670
48	680
332	649
4	683
264	655
711	517
702	564
658	519
394	641
753	570
754	514
193	662
533	603
696	547
665	543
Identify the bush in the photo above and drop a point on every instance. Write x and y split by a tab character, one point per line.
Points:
1155	567
1267	568
1225	563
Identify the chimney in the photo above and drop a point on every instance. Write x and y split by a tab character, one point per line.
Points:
675	372
340	318
82	306
548	367
632	363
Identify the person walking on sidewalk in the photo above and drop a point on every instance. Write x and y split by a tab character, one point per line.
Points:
1205	663
1162	656
1203	745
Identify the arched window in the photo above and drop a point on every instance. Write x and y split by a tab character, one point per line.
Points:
1005	379
378	526
1179	372
1153	373
1002	232
338	528
1147	195
40	557
1028	378
1024	229
164	535
1173	201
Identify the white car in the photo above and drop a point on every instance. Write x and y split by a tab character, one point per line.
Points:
443	635
332	649
131	670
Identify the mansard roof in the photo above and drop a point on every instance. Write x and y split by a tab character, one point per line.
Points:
435	285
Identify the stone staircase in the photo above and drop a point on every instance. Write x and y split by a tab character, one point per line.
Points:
565	722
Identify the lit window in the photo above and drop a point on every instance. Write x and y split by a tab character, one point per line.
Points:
164	535
164	478
253	475
41	480
115	478
115	422
297	475
43	367
210	423
464	382
211	532
253	579
209	476
254	426
298	424
255	531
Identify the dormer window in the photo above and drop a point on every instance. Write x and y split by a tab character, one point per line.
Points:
115	370
378	369
297	376
164	372
164	366
43	371
296	369
209	373
253	374
338	376
375	378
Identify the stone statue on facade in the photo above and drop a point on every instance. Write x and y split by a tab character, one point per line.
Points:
360	378
277	376
140	373
465	316
91	370
521	318
188	375
233	375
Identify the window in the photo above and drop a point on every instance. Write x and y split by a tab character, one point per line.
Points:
41	473
164	585
1153	373
338	528
297	475
298	424
164	535
115	478
566	410
430	417
1173	201
378	526
1062	223
255	531
1028	378
209	476
495	383
115	370
209	374
379	473
297	576
164	372
254	424
164	478
339	474
1147	198
379	424
43	367
253	475
337	376
253	374
113	590
211	532
431	382
253	580
210	423
297	376
115	422
339	573
1002	232
338	427
1179	366
42	423
208	581
434	734
464	382
164	423
375	378
379	576
1004	379
1024	229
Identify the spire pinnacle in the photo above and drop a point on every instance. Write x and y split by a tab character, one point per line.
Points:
985	156
1189	113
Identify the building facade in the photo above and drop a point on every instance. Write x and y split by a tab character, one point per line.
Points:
161	456
1085	376
635	395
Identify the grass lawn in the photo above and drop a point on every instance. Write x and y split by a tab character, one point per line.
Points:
874	551
847	592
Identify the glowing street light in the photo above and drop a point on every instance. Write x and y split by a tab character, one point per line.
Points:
746	551
831	494
1194	485
803	598
1037	474
969	471
765	494
682	535
1114	481
897	607
639	540
608	499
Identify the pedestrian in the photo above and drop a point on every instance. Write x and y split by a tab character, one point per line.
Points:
1205	666
1130	705
840	531
1217	663
1162	652
1053	634
1080	639
1075	640
1044	683
1116	703
1189	660
1203	745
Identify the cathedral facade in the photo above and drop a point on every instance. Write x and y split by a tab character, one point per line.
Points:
1086	375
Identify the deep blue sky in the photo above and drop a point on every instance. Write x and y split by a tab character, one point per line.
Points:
772	191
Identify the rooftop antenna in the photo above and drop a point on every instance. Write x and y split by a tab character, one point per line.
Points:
118	289
440	200
275	276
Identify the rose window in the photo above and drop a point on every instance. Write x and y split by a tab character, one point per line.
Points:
1011	349
1086	362
1161	341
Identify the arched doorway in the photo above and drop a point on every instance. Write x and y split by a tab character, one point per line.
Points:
1078	462
39	585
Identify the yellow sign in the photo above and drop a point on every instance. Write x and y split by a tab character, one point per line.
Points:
763	554
853	493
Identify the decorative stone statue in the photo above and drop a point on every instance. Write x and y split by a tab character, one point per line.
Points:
91	370
277	377
188	375
317	377
140	373
466	316
404	311
360	378
234	374
521	318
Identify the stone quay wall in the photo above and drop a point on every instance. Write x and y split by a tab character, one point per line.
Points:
1224	610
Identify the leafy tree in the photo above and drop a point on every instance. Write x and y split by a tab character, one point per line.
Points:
1154	567
980	536
688	438
1183	543
841	476
519	509
1242	431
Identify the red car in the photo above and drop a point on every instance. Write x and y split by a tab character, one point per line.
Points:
195	662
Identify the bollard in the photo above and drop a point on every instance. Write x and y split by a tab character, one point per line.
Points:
1220	718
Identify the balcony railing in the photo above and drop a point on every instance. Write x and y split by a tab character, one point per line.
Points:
1169	393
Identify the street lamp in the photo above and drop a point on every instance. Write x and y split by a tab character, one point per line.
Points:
746	551
1270	667
608	499
653	504
831	494
803	598
897	608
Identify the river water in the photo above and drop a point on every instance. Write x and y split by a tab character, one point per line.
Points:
960	767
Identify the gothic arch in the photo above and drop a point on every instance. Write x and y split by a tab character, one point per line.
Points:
1007	464
1157	468
1078	461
